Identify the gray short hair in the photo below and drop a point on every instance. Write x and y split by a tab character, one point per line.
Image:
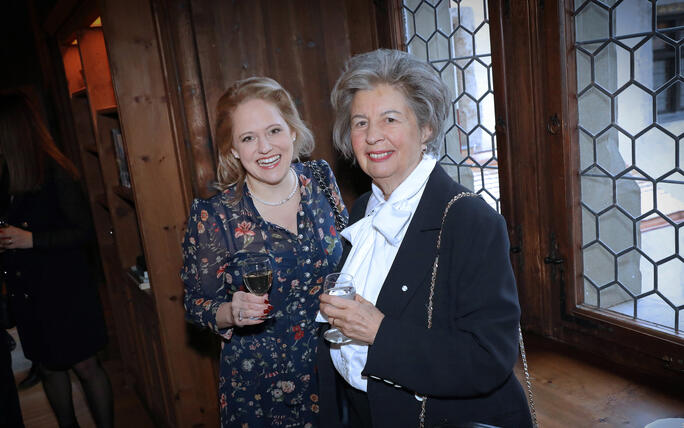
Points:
427	95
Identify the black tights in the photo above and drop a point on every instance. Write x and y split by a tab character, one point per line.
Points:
96	386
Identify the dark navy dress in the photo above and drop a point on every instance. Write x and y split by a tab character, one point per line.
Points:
267	375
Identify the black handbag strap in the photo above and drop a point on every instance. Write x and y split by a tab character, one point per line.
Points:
324	184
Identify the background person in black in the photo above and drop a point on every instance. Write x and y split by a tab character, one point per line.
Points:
10	412
44	257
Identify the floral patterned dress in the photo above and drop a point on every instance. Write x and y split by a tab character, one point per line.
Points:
266	375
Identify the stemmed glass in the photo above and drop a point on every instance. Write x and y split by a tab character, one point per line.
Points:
339	285
257	274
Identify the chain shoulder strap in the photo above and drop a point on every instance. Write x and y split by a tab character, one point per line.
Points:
433	281
324	185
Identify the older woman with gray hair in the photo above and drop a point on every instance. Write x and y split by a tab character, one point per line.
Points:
434	341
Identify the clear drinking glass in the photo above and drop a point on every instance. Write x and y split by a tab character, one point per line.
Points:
339	285
257	275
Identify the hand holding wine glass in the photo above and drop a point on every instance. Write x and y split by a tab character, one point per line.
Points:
257	275
354	318
338	285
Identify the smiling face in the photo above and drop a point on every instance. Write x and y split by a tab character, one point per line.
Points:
385	136
262	141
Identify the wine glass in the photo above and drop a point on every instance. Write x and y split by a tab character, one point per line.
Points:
339	285
257	275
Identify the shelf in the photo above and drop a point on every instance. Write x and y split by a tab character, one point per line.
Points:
137	285
109	111
80	92
92	149
102	201
125	193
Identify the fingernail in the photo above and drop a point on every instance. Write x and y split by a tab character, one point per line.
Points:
266	301
270	307
267	311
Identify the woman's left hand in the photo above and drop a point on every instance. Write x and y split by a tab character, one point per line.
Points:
12	238
358	319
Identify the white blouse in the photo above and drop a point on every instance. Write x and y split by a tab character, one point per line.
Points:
375	240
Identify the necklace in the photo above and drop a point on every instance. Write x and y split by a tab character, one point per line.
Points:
275	204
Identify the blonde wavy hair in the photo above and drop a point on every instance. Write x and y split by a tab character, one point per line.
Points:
230	171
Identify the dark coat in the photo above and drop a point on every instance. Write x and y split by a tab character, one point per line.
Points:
464	364
53	297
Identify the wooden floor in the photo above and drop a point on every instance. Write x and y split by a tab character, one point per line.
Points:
571	390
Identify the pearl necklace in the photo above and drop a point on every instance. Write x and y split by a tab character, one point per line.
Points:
276	204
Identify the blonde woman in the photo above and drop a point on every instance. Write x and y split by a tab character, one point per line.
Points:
268	205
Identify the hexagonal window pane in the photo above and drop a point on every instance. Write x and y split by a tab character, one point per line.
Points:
450	76
444	19
457	142
592	23
632	16
680	232
438	47
462	42
583	70
417	48
616	230
611	62
425	21
614	295
467	112
482	42
479	141
599	265
635	194
670	197
608	151
590	293
586	150
588	226
594	110
669	105
634	109
669	25
597	190
654	153
472	13
487	116
657	238
652	308
671	281
409	22
659	70
476	80
629	273
411	4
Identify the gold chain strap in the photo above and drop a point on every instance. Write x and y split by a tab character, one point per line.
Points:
433	280
528	383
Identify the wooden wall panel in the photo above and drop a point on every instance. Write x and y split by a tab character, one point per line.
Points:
160	199
303	44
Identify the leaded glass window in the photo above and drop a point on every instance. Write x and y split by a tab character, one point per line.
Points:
630	92
453	36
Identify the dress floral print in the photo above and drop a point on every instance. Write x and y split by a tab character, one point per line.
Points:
266	375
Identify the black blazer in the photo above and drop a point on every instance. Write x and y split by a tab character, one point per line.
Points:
464	363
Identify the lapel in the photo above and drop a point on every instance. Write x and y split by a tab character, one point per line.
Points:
416	254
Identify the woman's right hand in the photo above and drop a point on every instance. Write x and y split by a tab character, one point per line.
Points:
245	309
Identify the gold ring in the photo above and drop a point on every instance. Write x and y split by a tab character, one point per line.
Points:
332	321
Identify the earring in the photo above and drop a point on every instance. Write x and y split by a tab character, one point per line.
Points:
235	155
294	138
